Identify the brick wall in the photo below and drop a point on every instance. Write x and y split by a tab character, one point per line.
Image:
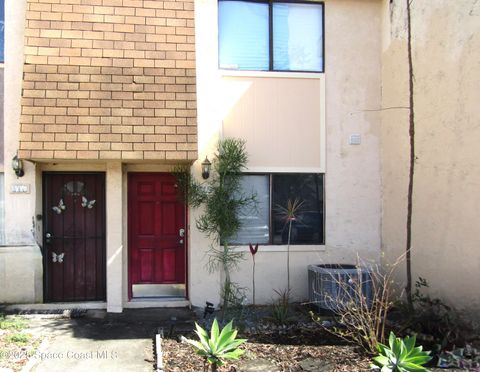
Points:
109	79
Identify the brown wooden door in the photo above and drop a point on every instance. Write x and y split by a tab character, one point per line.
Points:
74	236
156	222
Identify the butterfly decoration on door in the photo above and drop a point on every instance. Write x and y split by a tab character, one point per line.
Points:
76	189
58	257
58	209
86	203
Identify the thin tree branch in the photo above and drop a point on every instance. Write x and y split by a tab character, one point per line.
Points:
388	108
411	132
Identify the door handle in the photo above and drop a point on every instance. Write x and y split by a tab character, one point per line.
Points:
181	233
48	237
181	241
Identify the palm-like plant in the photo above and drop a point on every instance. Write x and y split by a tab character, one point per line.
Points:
222	200
219	345
289	214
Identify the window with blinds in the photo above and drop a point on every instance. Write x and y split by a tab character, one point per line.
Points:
267	223
269	35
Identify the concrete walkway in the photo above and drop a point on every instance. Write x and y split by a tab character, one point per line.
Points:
104	342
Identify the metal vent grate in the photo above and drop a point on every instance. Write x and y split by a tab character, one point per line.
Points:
332	286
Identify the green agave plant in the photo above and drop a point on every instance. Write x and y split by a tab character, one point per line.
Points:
401	356
219	345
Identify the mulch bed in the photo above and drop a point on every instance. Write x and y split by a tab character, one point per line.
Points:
15	355
285	350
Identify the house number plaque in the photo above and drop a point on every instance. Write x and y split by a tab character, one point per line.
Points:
19	188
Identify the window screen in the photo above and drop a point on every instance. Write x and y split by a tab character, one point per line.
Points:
243	36
297	37
255	220
278	36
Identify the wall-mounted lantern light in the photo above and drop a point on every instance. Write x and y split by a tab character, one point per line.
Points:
206	168
17	166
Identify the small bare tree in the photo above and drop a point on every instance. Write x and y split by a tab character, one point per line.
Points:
361	314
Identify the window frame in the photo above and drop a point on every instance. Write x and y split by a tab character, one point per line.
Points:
270	34
2	52
270	176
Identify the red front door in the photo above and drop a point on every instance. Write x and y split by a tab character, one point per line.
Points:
157	238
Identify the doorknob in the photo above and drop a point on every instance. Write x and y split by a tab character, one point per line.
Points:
181	233
48	237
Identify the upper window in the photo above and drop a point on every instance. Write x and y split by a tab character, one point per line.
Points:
271	35
268	223
2	30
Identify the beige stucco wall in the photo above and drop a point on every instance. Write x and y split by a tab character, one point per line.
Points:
18	231
446	213
254	108
352	89
20	275
20	259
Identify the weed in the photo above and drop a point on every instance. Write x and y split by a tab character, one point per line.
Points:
281	307
12	323
19	338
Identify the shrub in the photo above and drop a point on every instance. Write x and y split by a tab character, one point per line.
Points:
431	319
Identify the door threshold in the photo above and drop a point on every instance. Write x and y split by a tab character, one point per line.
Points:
138	303
56	306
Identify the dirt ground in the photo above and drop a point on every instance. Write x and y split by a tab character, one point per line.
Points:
301	350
